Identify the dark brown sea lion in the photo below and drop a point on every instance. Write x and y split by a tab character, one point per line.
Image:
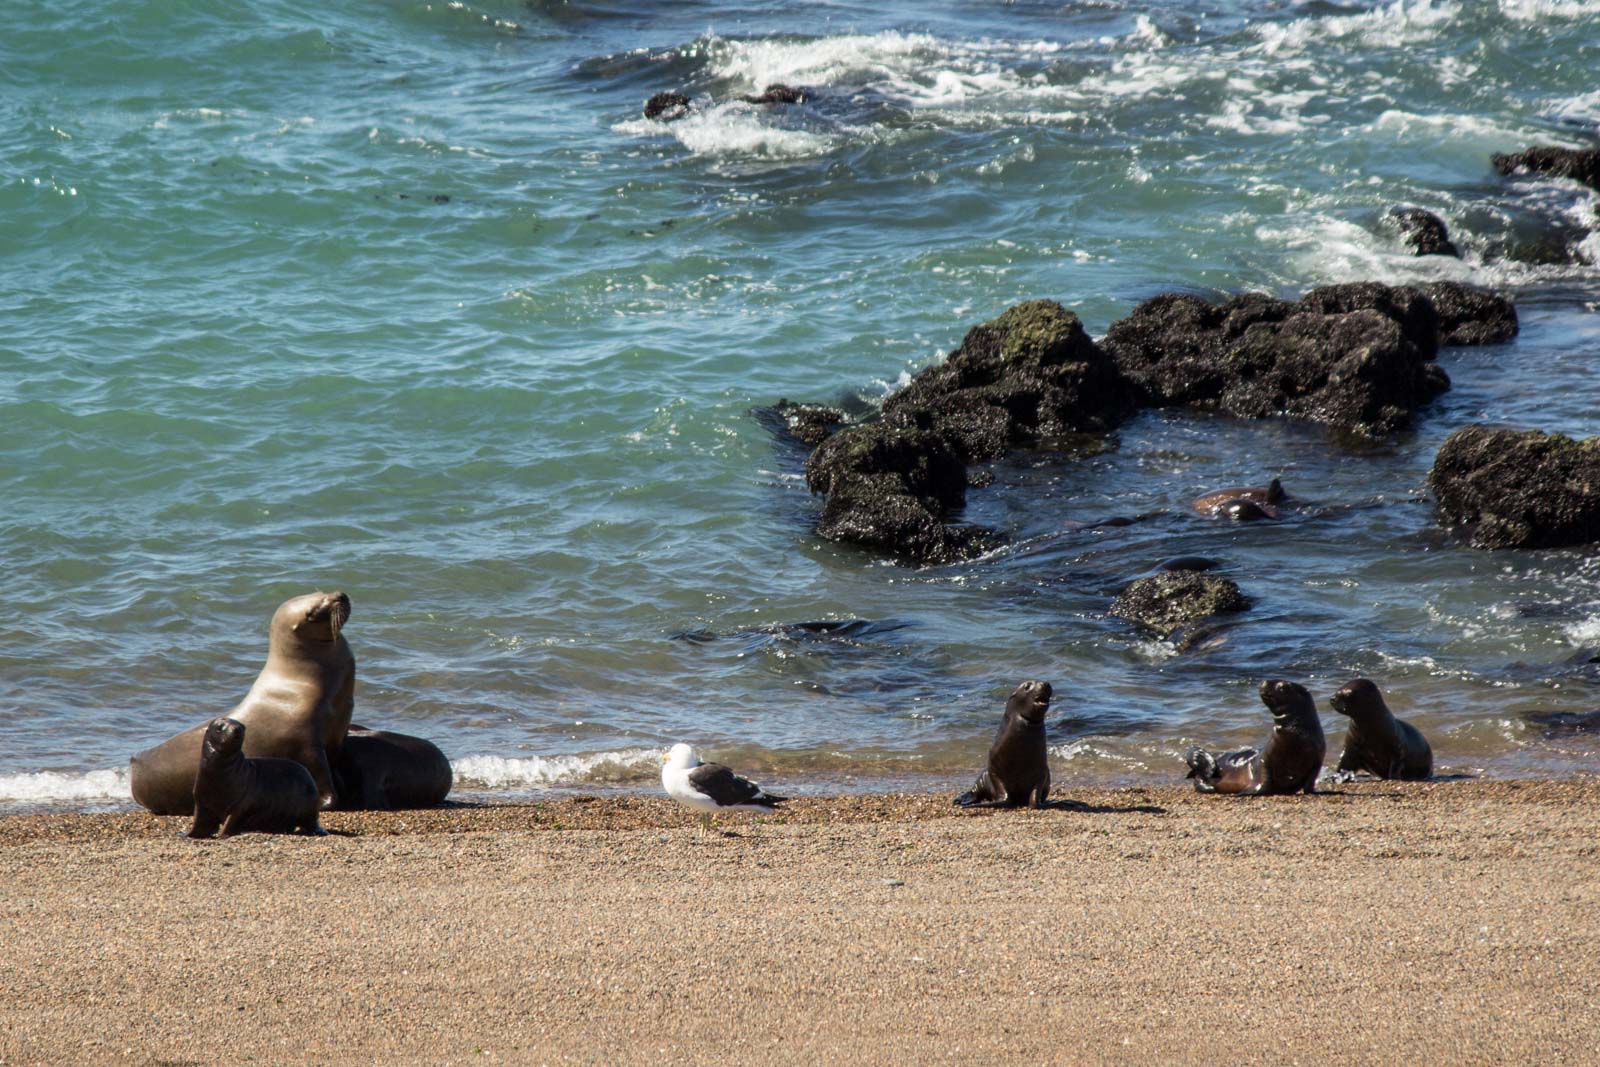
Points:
235	793
1241	503
1290	764
379	771
667	106
1019	767
1379	743
778	93
299	707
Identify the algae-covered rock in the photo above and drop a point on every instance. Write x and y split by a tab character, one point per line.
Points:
1167	601
1580	164
1471	316
1357	356
1423	232
1017	381
1505	488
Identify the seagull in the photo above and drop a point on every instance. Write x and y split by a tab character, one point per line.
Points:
710	787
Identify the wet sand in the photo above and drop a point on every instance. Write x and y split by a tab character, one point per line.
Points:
1440	922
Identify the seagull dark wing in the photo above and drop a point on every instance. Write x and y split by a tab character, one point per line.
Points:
725	787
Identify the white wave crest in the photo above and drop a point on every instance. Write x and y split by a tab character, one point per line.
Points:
496	772
1543	10
44	787
1585	632
733	129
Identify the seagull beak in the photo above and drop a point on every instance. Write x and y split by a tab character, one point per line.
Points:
665	756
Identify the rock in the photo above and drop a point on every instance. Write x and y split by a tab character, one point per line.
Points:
890	486
1424	231
1018	381
1505	488
778	94
1470	316
1357	356
1580	164
1168	601
667	106
808	423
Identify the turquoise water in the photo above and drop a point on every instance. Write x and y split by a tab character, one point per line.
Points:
407	299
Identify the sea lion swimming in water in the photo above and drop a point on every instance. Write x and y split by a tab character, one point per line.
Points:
1290	764
1019	768
236	794
298	708
1379	743
1241	503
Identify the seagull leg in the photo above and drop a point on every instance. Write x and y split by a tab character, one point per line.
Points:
705	823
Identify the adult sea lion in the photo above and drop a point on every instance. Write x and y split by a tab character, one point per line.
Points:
1019	768
379	771
237	793
1379	743
299	707
1242	503
1290	764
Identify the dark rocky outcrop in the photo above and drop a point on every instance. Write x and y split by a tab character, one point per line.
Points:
1504	488
667	106
1170	600
890	486
1424	232
1470	316
1581	164
1018	381
1357	356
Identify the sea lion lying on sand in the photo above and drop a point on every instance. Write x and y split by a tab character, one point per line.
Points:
1293	757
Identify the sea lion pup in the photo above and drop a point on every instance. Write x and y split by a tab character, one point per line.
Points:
1379	743
298	708
1019	767
1241	503
1293	758
236	793
382	771
667	106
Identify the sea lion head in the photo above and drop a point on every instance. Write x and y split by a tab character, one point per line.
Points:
1029	701
1359	699
224	736
316	617
1287	701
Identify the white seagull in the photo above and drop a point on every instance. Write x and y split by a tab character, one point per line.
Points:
710	787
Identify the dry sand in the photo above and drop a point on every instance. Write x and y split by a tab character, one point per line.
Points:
1450	922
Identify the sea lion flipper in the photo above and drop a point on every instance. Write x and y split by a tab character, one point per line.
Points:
205	824
232	824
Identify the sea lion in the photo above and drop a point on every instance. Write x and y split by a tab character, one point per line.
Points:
1241	503
1379	743
668	106
299	707
778	93
1019	770
381	771
1293	758
236	793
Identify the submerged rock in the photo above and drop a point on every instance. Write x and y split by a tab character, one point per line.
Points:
667	106
810	424
1171	600
1018	381
1424	232
1471	316
1580	164
1357	356
1505	488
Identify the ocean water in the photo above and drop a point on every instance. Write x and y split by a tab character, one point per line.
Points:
407	299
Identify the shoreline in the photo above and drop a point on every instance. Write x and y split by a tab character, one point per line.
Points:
1382	922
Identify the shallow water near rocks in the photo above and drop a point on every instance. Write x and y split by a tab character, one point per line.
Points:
410	301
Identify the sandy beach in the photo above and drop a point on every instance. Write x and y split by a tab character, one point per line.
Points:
1385	923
